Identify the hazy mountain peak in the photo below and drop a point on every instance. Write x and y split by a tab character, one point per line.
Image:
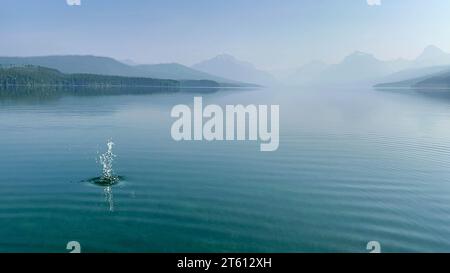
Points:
357	67
359	55
432	56
227	59
431	51
228	66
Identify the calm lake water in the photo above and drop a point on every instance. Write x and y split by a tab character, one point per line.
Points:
354	165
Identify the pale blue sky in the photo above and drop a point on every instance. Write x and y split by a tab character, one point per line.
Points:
269	33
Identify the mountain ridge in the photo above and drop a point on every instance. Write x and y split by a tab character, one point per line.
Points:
100	65
361	67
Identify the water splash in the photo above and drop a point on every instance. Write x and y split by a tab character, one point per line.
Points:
108	178
107	160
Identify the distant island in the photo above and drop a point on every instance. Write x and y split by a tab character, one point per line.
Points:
31	76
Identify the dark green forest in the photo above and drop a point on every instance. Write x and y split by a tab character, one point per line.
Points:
28	75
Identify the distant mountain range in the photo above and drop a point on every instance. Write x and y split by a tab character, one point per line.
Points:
229	67
72	64
431	70
356	68
360	67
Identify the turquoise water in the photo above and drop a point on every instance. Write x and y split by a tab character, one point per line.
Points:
354	165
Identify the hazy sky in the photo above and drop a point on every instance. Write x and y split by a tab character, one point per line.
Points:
268	33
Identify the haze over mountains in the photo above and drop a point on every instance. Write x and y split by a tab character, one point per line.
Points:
72	64
432	56
356	68
360	67
229	67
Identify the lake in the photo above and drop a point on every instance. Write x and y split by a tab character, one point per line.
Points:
354	165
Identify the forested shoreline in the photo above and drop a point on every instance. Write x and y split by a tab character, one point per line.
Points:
31	76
